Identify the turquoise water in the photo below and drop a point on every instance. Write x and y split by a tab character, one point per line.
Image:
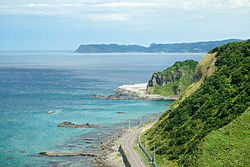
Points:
32	83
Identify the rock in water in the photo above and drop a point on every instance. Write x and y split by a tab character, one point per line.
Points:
64	154
70	124
119	112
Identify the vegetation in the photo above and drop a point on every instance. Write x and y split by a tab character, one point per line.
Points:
145	159
174	80
181	132
204	69
228	146
196	47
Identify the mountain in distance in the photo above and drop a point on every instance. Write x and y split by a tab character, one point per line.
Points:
195	47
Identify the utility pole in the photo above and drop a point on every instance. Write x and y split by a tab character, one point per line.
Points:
164	159
129	125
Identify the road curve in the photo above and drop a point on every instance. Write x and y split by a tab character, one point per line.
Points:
132	154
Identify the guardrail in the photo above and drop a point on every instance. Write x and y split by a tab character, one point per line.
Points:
146	152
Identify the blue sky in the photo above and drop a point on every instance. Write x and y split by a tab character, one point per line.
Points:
65	24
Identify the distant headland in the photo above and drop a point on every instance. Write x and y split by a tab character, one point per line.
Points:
195	47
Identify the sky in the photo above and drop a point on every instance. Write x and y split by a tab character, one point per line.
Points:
65	24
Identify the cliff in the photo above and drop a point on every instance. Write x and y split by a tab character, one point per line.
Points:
198	130
174	80
195	47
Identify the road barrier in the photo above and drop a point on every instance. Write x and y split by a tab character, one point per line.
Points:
146	152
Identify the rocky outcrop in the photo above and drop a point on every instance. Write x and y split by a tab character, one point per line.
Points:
92	139
159	79
134	92
63	154
174	80
70	124
138	91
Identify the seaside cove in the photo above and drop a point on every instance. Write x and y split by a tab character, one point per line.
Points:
32	83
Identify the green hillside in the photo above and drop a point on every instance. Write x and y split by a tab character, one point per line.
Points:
174	80
228	146
222	97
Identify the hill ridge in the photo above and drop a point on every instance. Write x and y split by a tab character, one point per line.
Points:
191	47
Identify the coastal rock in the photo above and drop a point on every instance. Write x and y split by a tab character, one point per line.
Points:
98	96
138	92
63	154
92	139
120	112
135	92
107	133
89	141
51	112
70	124
93	146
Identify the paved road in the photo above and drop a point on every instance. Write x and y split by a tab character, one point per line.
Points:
132	154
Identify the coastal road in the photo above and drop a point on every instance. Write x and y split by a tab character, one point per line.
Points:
132	154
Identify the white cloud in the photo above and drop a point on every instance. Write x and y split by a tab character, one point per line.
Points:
37	5
126	4
239	4
107	17
123	10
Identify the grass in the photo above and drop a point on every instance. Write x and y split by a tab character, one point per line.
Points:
118	155
228	146
145	159
179	77
159	158
205	68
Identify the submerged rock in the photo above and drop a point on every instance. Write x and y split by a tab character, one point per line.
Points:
120	112
101	96
70	124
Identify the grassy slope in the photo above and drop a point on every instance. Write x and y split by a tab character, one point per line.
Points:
180	83
228	146
204	69
221	98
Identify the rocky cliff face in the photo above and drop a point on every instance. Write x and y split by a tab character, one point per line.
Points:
173	80
161	80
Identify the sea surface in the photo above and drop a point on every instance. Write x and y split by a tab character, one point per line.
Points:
32	83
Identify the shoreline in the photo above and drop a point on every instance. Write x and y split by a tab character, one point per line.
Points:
105	153
109	155
135	92
110	148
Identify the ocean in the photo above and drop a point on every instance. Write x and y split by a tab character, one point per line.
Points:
33	83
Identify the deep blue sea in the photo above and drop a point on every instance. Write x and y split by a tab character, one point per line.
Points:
32	83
